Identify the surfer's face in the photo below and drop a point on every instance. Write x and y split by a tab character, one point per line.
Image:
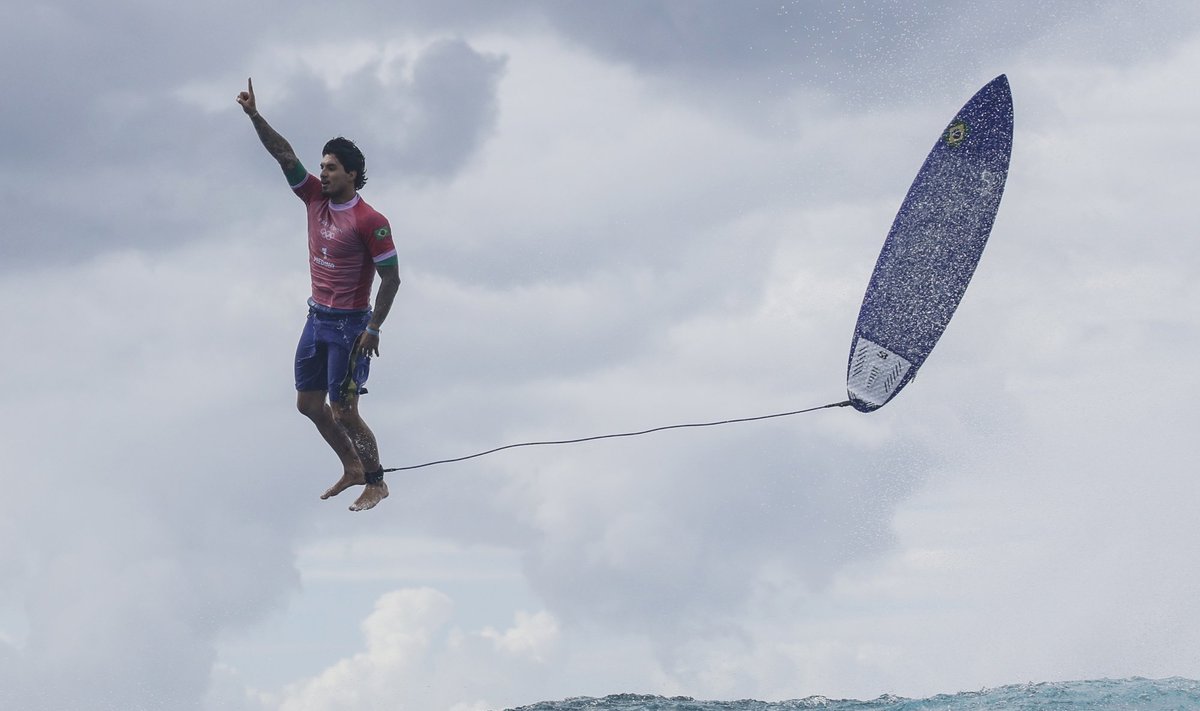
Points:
336	183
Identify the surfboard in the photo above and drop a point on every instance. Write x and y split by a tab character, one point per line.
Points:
932	249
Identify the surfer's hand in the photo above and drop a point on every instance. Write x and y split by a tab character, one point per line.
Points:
246	99
367	343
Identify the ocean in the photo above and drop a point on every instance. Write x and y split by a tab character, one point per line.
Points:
1134	694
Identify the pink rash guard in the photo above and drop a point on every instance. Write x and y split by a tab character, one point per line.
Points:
345	244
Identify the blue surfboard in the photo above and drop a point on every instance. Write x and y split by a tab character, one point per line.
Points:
932	250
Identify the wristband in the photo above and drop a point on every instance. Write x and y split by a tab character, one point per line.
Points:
372	331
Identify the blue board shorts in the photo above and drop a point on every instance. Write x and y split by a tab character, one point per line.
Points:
323	353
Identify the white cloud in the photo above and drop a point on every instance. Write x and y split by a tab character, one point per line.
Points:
399	635
531	635
414	655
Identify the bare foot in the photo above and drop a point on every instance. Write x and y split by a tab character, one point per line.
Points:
349	478
372	494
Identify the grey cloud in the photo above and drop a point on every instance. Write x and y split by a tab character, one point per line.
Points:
135	167
429	126
100	144
863	52
455	90
737	503
142	632
849	47
76	67
137	570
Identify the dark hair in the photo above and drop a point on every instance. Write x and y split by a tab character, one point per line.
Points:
349	156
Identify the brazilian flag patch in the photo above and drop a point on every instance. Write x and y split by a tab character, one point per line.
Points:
383	233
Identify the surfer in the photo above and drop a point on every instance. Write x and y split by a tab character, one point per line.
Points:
348	243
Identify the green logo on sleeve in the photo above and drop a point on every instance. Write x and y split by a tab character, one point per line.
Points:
383	233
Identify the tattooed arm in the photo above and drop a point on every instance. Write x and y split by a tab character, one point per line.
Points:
275	144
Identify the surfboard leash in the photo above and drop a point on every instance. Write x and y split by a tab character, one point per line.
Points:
616	435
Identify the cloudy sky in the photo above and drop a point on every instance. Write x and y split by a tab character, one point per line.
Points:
610	216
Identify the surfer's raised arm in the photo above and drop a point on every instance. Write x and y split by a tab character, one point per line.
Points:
275	144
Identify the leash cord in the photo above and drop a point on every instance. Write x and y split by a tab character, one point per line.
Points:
614	436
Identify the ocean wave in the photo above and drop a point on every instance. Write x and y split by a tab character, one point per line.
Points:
1133	694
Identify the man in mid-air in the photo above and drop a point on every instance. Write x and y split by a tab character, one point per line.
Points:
348	242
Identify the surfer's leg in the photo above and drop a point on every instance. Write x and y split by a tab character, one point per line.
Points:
313	354
312	384
311	404
322	360
346	378
346	414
